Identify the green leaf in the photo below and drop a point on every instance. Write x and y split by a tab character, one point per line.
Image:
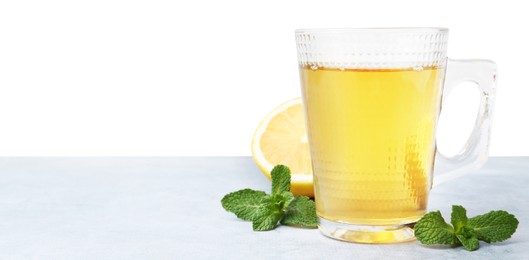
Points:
269	215
245	204
495	226
288	197
469	243
301	211
432	229
280	179
265	211
459	218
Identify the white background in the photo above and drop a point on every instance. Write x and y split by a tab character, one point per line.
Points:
196	77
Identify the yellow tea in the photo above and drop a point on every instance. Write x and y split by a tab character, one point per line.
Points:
372	140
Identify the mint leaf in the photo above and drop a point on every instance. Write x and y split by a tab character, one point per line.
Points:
432	229
459	221
280	179
288	197
459	218
266	211
269	215
470	243
245	204
301	211
495	226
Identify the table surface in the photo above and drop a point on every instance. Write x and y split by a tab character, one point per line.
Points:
169	208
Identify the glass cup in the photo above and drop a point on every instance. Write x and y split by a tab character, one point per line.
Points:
372	98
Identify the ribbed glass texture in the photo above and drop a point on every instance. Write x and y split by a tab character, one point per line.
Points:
378	48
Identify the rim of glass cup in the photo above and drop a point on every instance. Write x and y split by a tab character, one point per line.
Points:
372	30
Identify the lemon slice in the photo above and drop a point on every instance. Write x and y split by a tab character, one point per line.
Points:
281	138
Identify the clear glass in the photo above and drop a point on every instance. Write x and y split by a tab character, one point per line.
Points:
372	98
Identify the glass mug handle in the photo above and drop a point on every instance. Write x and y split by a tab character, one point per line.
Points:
475	151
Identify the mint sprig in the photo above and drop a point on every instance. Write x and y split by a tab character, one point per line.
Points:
495	226
267	210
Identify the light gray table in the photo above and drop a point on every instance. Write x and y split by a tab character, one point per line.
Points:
169	208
